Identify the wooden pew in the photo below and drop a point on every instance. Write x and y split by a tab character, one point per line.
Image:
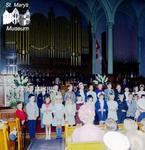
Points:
86	146
4	138
15	123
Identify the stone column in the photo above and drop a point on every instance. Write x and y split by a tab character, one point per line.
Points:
110	47
94	65
139	39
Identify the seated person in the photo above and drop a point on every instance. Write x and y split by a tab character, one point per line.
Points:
88	132
135	137
111	124
116	141
141	109
130	125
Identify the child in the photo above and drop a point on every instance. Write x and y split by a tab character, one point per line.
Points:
101	108
126	93
79	103
108	91
70	111
92	93
20	112
46	110
112	108
141	91
90	102
132	107
122	108
32	113
58	113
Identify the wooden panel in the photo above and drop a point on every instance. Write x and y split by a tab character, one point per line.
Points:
7	113
1	90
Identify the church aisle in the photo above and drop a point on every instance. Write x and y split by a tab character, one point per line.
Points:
42	144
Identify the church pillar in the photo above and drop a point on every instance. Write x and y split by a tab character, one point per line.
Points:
0	44
110	47
94	65
139	53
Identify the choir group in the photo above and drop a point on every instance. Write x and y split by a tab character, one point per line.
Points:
55	108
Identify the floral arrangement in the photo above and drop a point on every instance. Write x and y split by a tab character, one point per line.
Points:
103	79
20	80
15	89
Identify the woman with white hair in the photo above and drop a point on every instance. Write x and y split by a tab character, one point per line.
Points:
136	137
116	141
88	132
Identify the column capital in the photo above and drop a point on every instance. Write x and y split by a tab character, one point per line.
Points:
110	24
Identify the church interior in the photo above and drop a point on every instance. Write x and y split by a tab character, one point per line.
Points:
62	58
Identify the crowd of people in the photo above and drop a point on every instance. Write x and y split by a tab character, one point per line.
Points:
55	108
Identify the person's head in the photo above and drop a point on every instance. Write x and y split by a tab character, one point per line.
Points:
111	96
141	87
101	96
91	88
31	88
116	141
118	87
135	89
90	98
19	105
81	86
55	87
135	97
100	86
130	96
31	98
110	124
109	85
126	89
86	114
79	99
70	87
43	89
121	96
130	125
47	99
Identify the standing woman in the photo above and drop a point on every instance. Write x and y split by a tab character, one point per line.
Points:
112	108
47	116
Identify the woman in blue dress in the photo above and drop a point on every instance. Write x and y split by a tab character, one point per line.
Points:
122	108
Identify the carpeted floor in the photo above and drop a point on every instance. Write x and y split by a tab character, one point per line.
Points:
42	144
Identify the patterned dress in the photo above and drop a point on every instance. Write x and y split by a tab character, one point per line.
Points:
70	111
58	112
112	110
47	114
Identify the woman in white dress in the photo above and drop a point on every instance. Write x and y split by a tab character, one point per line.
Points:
112	108
46	110
58	113
70	111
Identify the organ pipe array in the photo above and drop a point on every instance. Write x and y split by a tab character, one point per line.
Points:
50	37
